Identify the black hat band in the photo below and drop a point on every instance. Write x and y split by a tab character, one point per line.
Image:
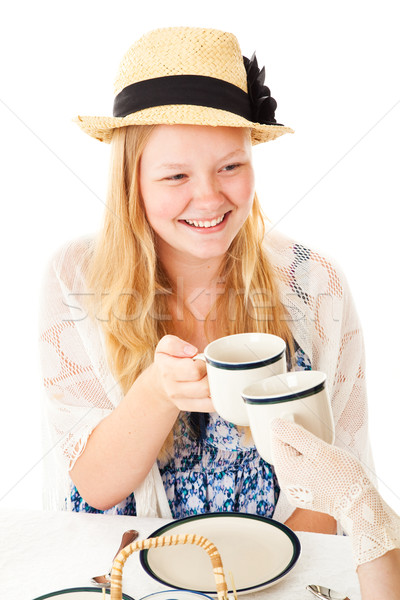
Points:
199	90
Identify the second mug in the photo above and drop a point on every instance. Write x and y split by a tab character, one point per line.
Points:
300	396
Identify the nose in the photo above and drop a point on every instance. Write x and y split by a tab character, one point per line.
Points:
208	194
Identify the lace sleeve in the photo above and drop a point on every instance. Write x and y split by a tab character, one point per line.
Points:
325	324
348	387
79	390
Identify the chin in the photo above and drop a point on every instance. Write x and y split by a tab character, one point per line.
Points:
210	254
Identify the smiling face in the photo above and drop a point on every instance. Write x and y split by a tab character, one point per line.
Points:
197	185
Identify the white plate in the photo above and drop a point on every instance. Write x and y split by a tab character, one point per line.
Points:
258	551
81	593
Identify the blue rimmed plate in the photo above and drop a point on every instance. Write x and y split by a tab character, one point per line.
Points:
258	551
79	593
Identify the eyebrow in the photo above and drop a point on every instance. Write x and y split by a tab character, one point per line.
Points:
184	165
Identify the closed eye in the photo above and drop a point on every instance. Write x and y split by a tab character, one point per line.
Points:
176	177
231	167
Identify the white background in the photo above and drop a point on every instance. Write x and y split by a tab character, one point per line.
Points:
333	68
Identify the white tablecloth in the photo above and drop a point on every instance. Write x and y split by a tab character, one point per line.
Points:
41	552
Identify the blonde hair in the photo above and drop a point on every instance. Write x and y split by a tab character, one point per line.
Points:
131	289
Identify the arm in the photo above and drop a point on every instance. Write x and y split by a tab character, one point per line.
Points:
105	441
380	578
310	520
124	446
325	478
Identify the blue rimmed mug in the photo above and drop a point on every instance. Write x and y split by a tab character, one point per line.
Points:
299	396
234	362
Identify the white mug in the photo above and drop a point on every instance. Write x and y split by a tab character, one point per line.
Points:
234	362
299	396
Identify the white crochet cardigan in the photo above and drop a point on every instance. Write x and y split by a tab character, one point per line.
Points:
80	389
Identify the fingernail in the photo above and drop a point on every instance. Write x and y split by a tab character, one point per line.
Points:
190	350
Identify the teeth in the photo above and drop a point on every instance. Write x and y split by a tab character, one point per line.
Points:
212	223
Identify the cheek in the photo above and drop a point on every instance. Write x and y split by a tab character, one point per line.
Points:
156	211
155	203
162	207
244	190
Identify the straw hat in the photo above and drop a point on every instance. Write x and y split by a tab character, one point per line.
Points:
193	76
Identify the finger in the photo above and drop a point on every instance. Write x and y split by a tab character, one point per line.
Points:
196	405
296	436
281	453
175	346
181	369
200	368
188	390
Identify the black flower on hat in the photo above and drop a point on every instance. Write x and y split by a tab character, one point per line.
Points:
263	106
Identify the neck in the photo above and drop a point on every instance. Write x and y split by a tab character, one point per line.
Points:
188	275
195	286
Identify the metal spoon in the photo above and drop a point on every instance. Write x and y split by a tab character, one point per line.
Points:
325	593
127	538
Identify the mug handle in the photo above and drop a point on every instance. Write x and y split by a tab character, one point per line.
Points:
200	357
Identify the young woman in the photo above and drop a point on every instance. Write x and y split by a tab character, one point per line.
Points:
182	259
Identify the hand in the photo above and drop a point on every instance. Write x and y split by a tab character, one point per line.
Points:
183	381
317	476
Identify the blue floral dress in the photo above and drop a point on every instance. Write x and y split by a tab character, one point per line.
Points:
218	471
